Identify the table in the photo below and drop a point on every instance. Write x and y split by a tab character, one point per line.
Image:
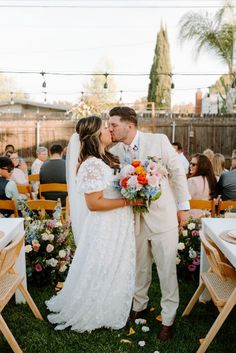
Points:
212	228
12	228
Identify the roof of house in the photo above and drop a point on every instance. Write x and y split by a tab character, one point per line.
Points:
59	107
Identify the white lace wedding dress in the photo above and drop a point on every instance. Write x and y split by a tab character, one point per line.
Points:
99	287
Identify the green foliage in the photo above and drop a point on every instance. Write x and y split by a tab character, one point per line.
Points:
159	86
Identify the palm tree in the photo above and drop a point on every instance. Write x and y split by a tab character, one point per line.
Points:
214	34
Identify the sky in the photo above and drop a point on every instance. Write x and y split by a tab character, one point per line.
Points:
83	38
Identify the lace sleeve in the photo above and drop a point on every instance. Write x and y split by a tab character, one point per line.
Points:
92	176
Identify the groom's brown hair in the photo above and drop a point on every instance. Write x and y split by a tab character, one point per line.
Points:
125	114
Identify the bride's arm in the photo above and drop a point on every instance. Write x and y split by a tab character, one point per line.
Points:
96	202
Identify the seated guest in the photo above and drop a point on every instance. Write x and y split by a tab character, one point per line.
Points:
8	150
42	156
183	160
8	189
201	180
18	176
21	164
218	164
54	171
226	185
209	153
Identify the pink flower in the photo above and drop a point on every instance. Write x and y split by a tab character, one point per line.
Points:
133	181
192	268
153	180
195	233
196	261
38	268
152	168
49	248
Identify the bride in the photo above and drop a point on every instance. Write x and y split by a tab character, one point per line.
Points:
99	287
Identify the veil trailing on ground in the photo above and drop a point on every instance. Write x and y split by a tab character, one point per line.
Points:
78	208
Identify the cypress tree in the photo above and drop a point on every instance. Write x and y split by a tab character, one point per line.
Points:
159	89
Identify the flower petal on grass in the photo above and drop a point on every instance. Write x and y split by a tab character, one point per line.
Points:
140	321
145	329
159	318
125	341
141	343
131	332
152	309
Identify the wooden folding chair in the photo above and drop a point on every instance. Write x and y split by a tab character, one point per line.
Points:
26	190
10	205
220	282
34	177
225	205
10	281
41	205
208	205
56	187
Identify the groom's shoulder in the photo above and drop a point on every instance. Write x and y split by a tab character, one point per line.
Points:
153	136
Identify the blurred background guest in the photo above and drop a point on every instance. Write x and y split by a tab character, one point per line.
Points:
18	175
209	153
183	160
226	185
8	189
42	156
218	164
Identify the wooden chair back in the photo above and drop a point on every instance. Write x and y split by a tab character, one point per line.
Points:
9	254
222	269
52	187
225	205
208	205
42	205
10	205
34	177
26	190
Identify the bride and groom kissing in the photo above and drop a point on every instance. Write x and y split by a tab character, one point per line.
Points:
111	272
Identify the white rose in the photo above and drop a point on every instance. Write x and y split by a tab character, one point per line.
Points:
62	268
177	260
49	248
45	236
141	343
191	226
185	233
145	328
50	237
52	262
192	253
181	246
140	321
28	248
62	253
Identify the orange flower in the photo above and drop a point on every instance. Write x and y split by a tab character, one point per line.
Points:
135	163
124	182
142	179
139	170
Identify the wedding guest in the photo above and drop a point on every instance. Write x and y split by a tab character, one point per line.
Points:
183	160
18	176
54	171
9	149
42	156
156	231
227	183
209	153
8	189
218	164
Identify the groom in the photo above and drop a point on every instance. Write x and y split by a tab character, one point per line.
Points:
157	230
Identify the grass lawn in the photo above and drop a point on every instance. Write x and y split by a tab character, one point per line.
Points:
36	336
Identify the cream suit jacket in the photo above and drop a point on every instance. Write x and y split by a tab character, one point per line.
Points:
162	215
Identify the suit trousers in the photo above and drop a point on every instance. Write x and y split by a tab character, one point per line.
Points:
161	247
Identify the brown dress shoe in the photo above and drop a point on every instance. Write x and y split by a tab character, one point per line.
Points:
166	333
138	314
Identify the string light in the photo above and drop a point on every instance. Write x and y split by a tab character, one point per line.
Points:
82	96
121	92
105	86
44	85
45	97
11	98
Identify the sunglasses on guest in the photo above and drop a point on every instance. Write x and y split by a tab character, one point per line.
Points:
9	169
193	164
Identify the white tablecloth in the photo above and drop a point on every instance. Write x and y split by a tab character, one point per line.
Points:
212	228
12	228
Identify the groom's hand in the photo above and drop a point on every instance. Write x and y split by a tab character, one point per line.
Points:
182	217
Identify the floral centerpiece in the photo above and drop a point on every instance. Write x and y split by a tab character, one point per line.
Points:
141	180
188	254
49	247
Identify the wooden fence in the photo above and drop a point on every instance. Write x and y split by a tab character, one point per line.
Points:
194	133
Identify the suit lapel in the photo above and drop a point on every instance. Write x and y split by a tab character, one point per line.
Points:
142	146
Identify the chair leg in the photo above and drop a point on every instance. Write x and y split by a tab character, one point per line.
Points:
30	301
194	299
218	323
9	336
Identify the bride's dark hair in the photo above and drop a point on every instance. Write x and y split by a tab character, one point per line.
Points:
89	130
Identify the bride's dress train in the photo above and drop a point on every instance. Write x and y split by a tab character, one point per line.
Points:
99	288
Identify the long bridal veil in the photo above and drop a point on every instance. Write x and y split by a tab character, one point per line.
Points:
78	208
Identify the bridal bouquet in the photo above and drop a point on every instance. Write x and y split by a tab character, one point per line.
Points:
141	180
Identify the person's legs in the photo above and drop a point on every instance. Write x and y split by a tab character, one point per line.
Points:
144	261
164	249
